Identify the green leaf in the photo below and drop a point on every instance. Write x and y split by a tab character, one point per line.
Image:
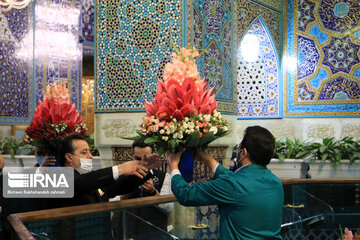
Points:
193	140
153	139
207	138
281	156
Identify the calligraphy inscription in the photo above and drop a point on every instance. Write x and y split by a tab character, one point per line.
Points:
119	128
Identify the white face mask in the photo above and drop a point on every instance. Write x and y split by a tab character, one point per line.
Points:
85	165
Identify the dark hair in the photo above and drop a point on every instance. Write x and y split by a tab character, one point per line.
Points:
141	144
67	147
259	143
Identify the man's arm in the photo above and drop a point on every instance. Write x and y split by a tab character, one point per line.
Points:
219	190
129	173
93	180
123	185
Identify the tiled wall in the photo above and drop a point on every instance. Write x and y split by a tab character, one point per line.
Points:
133	46
323	68
39	45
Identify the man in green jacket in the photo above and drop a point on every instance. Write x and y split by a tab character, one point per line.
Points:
250	199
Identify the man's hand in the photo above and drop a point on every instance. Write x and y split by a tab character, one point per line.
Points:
206	159
148	186
151	161
173	159
132	168
48	161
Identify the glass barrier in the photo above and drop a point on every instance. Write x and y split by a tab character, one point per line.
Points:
307	214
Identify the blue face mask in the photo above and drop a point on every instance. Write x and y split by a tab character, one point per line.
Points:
40	159
233	166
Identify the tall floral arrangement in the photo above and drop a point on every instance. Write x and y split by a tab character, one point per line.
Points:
54	118
183	113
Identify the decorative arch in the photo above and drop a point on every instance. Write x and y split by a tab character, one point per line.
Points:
258	82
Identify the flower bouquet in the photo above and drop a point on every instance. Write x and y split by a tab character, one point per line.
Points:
54	119
183	114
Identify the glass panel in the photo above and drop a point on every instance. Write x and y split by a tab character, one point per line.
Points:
307	214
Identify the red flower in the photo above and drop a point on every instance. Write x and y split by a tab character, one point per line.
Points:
181	100
53	120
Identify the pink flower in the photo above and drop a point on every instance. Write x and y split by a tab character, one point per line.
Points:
57	92
348	234
182	66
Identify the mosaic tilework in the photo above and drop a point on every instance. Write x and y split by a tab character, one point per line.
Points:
258	82
25	74
277	4
59	66
213	32
248	11
132	48
308	57
325	56
16	97
87	21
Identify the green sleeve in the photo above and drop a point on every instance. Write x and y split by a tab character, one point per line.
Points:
220	190
221	170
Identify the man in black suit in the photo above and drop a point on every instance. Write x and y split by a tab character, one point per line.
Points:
93	186
100	185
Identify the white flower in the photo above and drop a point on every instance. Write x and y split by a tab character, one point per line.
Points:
189	131
215	113
162	131
207	117
181	136
175	135
185	125
165	138
191	125
172	128
225	128
213	129
186	119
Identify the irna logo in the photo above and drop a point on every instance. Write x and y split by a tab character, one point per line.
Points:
30	180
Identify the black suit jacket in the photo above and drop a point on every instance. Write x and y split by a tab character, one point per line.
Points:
97	186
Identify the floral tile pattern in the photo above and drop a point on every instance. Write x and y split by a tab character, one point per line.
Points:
248	11
213	32
308	57
326	58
